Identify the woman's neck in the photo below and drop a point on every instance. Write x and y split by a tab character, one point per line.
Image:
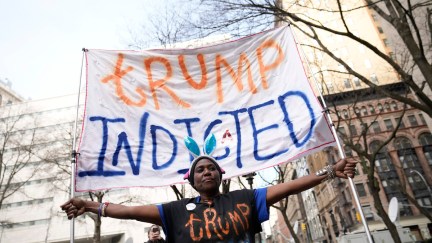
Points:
205	197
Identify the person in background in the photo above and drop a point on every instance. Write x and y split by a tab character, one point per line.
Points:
154	235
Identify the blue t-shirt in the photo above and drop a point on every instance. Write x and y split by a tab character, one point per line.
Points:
232	217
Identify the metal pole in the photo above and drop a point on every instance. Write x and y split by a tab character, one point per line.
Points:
338	143
74	153
424	181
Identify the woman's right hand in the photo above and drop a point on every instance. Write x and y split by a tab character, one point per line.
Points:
74	207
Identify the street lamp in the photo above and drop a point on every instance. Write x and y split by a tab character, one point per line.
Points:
424	181
250	177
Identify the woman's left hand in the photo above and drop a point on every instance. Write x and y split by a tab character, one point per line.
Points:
345	168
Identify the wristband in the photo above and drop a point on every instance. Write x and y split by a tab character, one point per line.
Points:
327	170
104	206
100	209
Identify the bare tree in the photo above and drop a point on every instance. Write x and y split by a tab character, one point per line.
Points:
165	26
409	21
284	173
369	147
59	155
20	145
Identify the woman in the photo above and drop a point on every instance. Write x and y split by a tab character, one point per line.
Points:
212	217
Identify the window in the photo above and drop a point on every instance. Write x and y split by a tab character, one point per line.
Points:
387	106
380	107
356	82
406	153
345	113
389	124
374	79
373	146
416	182
364	111
394	106
356	110
392	184
425	140
402	143
347	83
402	125
371	109
367	212
353	130
424	201
375	127
361	190
382	163
412	120
422	119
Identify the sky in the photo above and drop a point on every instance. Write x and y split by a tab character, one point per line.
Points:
41	41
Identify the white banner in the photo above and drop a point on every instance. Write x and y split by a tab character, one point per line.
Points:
251	93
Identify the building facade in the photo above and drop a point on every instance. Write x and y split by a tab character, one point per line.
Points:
367	119
7	94
35	180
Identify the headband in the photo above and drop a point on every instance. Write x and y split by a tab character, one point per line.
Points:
208	149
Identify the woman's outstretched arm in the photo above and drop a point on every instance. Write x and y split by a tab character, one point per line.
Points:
343	169
146	213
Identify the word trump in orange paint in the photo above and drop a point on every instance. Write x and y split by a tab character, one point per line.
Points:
163	77
215	226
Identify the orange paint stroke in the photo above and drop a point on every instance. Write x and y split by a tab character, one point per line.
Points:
237	79
160	84
227	227
190	224
187	76
117	78
235	218
244	209
243	58
211	221
265	68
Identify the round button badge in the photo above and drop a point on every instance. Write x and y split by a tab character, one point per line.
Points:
190	206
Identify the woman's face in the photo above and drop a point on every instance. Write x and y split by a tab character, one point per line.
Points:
206	176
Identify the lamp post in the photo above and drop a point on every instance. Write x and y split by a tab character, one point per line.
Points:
424	181
250	177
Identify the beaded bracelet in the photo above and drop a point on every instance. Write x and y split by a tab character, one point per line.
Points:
327	170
